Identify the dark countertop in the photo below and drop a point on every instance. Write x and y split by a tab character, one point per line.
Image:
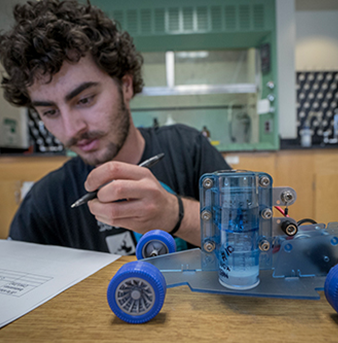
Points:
285	144
294	144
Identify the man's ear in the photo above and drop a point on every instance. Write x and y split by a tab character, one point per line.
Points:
127	87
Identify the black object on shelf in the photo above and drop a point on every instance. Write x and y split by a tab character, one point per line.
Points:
41	139
317	101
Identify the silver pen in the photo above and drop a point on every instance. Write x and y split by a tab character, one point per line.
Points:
92	195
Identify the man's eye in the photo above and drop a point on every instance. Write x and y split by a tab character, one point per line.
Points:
50	113
86	101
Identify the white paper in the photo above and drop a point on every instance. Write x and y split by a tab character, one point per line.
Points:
31	274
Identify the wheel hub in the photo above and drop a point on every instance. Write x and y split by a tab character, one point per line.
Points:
154	248
135	296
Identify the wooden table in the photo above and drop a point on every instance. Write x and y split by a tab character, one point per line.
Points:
81	314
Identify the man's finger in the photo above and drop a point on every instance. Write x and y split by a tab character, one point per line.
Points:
113	171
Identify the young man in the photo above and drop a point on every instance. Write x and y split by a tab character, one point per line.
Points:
70	63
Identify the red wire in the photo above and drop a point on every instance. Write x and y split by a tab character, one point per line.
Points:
281	211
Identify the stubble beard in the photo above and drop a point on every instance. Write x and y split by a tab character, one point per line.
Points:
118	126
113	148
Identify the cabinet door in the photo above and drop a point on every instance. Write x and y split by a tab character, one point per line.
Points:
296	169
9	200
326	186
258	162
326	198
14	172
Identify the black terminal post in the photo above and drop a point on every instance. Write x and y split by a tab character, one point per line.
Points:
289	228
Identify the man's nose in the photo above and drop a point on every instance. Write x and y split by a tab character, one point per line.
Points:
73	124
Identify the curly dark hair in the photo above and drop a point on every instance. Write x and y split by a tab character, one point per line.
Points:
48	32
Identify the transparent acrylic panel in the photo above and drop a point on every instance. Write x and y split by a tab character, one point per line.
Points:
184	268
215	67
232	227
231	203
299	271
154	69
313	251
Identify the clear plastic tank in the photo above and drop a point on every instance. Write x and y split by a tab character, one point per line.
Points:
239	230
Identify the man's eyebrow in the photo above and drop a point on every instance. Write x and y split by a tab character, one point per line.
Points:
38	103
68	97
79	89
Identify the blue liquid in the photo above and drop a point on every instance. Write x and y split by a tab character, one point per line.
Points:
239	253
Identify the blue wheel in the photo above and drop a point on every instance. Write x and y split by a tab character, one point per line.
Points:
136	292
331	287
154	243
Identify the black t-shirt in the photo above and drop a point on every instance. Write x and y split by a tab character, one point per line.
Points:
45	215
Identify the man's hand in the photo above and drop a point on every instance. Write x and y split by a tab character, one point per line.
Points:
146	204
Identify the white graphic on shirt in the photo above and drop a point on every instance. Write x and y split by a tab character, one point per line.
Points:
105	227
121	243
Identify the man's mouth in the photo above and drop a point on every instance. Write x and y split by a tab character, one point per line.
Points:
88	144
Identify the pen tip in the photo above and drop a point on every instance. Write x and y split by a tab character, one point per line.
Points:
74	205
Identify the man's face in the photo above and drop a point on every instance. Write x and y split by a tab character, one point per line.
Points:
85	109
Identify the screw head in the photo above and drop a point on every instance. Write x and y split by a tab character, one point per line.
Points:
207	183
287	196
266	213
264	245
264	181
206	215
209	246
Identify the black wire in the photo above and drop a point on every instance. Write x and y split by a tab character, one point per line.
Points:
306	220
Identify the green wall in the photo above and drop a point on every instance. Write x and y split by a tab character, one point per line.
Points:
202	25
